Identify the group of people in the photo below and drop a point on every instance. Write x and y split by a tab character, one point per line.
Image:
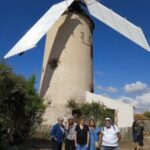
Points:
81	135
138	134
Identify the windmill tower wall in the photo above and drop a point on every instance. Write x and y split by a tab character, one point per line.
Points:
67	70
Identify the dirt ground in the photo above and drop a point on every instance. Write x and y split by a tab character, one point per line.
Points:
128	144
43	144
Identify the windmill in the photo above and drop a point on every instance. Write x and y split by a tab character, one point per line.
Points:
67	63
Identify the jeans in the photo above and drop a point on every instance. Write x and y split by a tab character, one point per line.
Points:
69	144
81	147
109	148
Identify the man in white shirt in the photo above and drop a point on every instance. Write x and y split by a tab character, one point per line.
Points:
110	136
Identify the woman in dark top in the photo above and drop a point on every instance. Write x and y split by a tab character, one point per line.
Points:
140	138
82	135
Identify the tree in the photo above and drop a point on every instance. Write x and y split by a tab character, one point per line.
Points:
21	108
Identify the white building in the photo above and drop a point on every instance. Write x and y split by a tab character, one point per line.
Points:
123	111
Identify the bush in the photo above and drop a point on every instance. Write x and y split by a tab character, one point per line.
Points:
147	114
21	108
93	110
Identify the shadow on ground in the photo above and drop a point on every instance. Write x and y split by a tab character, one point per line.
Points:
34	144
127	144
44	144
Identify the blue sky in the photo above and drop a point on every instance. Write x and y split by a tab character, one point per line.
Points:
121	68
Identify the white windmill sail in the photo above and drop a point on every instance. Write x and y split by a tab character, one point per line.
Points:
118	23
31	38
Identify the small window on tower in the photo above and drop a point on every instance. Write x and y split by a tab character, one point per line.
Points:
91	88
53	63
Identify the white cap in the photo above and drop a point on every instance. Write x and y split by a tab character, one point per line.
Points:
60	119
108	119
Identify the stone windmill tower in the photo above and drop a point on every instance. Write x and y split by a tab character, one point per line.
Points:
67	64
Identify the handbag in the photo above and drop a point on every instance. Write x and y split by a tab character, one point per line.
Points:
97	144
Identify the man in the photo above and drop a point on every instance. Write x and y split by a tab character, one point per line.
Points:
57	135
82	135
135	132
140	138
70	134
110	136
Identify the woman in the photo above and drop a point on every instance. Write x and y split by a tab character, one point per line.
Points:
82	135
70	134
57	134
94	135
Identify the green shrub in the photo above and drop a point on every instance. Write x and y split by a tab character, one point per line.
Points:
21	107
93	110
147	114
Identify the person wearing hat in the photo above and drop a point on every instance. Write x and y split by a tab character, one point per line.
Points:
70	134
110	136
57	134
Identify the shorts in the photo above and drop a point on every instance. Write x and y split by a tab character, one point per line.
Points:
135	138
140	140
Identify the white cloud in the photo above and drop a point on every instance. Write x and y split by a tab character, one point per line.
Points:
99	87
107	89
112	89
144	99
135	87
137	94
99	72
141	102
128	100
